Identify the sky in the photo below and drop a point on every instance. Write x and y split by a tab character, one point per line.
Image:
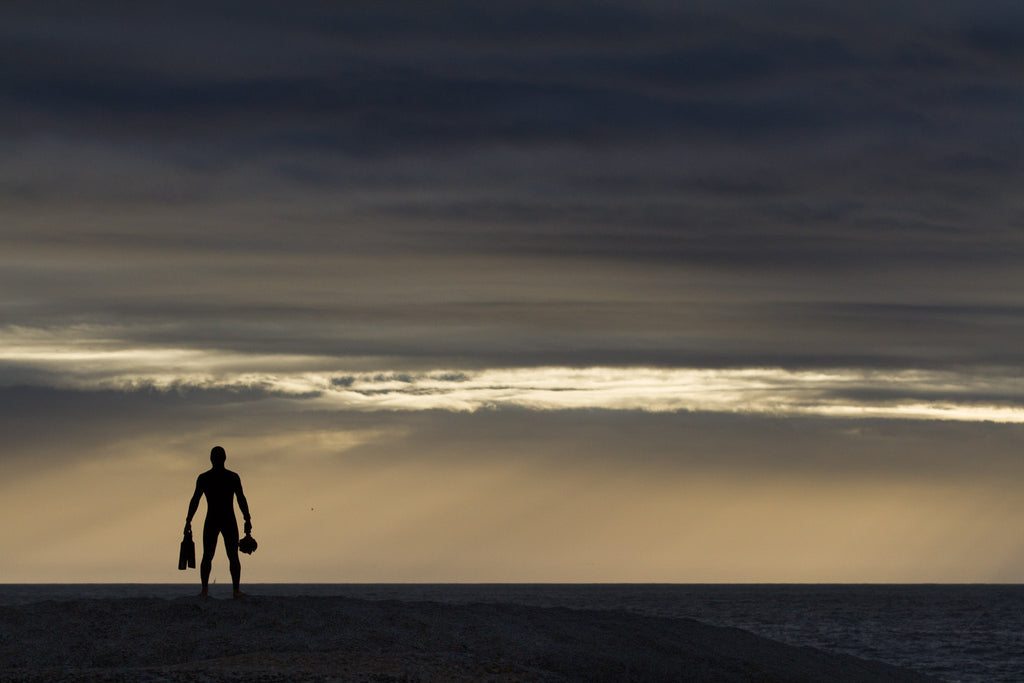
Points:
568	291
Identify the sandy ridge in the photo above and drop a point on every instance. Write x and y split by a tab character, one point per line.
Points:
336	638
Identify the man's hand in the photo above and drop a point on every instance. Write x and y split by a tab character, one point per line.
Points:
248	526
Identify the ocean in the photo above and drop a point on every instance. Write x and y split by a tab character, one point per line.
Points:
953	632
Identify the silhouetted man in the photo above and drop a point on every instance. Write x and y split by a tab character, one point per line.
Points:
220	486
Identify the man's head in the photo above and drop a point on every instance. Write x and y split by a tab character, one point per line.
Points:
218	456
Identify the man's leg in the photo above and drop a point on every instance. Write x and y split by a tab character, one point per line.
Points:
210	532
231	546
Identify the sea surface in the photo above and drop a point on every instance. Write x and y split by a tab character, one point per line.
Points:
953	632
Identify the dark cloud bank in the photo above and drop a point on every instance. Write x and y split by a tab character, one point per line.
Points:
522	183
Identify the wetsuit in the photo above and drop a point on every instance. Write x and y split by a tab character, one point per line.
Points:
220	486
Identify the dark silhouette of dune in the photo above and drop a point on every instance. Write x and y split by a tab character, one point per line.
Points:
334	638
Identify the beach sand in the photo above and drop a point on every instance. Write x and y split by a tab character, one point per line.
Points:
335	638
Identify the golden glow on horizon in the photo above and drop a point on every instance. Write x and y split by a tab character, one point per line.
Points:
328	519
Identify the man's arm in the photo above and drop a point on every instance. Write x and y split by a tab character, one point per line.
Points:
243	504
193	505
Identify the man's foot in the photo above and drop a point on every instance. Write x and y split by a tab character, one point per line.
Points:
240	594
205	593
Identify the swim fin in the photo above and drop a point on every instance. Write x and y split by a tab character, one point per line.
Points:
187	554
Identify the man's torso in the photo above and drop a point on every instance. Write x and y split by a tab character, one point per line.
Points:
219	487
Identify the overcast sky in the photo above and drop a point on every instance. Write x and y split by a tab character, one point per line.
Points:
571	291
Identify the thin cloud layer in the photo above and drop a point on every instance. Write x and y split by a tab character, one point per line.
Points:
992	394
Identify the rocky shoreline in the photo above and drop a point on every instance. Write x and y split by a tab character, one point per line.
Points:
344	639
